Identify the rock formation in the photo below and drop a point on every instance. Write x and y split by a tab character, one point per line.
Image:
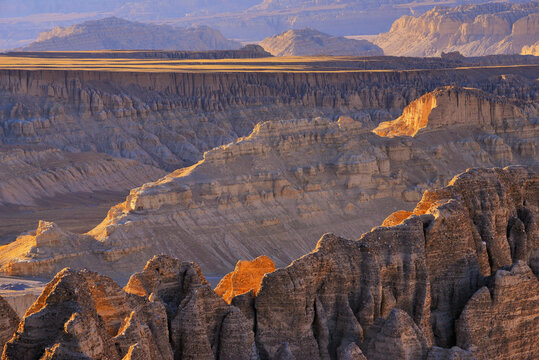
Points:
314	42
119	34
453	280
285	185
9	322
452	106
247	276
509	301
531	49
83	314
32	173
473	30
202	325
170	119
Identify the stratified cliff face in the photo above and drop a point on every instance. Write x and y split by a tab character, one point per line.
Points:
31	173
169	119
314	42
454	280
452	106
473	30
119	34
283	186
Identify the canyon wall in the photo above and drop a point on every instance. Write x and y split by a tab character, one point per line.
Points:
284	185
29	173
169	120
455	279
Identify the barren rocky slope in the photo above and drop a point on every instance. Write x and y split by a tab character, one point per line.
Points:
119	34
31	173
169	119
283	186
314	42
473	30
454	279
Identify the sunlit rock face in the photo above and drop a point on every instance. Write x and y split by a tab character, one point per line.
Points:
452	106
313	42
288	183
169	119
247	276
473	30
84	314
453	280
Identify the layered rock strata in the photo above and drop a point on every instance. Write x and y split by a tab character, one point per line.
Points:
453	280
169	119
452	106
31	173
283	186
473	30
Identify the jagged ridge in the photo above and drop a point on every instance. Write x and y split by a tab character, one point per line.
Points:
243	199
409	291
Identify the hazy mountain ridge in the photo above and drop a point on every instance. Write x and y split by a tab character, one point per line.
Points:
314	42
113	33
251	20
473	30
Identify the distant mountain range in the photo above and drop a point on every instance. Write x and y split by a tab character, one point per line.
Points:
118	34
473	30
314	42
253	20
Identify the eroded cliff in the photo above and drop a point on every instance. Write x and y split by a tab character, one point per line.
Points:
456	279
452	107
169	119
281	187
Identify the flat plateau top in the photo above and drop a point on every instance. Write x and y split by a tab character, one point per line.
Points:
41	61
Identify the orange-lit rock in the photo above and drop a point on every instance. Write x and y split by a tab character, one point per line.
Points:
84	314
449	107
310	175
396	218
455	282
246	276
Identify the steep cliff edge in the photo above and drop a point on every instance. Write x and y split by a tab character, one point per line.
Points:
473	30
276	190
169	119
453	280
449	107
